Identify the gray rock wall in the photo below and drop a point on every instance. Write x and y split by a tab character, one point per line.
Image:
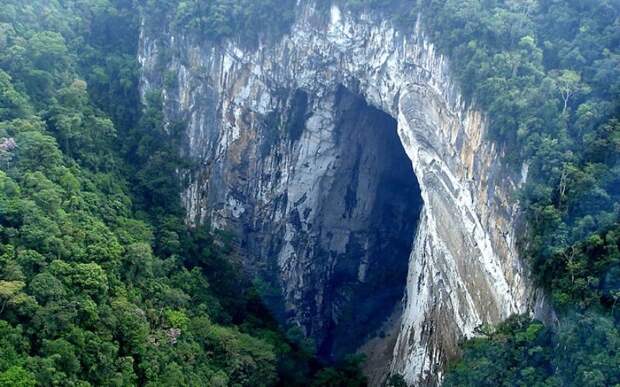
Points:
297	195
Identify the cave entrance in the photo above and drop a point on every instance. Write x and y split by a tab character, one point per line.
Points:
376	197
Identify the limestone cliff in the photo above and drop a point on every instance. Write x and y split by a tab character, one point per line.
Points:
299	145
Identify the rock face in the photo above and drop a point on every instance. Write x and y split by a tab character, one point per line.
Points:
298	155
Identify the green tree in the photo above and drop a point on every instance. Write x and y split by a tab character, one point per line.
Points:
568	83
17	377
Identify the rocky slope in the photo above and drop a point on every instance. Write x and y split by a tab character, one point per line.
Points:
295	142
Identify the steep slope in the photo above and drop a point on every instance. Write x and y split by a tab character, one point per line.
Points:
273	186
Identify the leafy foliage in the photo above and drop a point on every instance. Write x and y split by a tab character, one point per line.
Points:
521	352
247	20
346	374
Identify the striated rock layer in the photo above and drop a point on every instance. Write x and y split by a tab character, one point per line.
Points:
294	162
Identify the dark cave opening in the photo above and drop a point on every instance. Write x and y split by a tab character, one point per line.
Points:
381	208
334	261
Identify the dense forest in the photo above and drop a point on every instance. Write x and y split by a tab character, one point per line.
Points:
102	283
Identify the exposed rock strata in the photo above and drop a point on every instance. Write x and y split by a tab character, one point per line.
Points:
293	194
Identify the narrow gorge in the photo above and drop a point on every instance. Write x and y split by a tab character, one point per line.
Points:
358	183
